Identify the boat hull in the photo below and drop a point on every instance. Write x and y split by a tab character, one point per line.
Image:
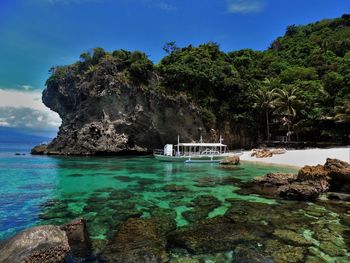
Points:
192	159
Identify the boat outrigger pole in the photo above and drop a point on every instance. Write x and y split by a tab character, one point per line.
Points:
178	146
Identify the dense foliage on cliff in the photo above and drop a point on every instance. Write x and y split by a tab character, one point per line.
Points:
300	86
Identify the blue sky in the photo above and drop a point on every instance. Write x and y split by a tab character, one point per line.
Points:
38	34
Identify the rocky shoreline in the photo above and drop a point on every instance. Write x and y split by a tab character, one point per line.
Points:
308	184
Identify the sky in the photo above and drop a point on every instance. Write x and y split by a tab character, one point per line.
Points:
38	34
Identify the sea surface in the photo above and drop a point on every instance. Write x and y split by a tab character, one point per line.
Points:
105	191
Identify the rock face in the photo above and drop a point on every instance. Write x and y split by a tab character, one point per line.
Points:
39	244
308	184
104	115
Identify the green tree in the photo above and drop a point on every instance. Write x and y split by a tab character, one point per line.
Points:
342	113
287	102
264	100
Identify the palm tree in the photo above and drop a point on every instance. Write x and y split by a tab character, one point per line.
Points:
264	101
342	113
287	102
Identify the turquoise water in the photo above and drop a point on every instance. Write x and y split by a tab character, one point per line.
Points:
106	190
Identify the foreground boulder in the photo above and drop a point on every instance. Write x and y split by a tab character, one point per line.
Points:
41	244
138	240
308	184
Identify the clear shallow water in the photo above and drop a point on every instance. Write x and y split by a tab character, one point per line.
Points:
106	191
42	189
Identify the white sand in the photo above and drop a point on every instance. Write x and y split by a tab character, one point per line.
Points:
300	158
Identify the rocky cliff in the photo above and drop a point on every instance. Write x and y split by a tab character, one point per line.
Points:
104	112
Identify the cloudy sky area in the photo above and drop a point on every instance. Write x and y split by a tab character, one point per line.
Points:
38	34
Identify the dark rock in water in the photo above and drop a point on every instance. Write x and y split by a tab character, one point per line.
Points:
339	172
20	154
307	190
234	160
250	254
215	234
174	188
41	244
338	196
76	175
203	205
40	149
138	240
78	238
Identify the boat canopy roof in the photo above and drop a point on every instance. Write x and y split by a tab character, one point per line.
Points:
202	144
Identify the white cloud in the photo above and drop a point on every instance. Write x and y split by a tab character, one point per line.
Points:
24	110
245	6
25	87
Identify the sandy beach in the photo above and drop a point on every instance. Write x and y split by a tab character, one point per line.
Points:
299	158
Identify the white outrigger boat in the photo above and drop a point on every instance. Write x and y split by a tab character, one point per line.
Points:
194	152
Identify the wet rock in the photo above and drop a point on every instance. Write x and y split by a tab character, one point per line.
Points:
307	190
233	160
317	172
215	234
339	173
78	237
40	149
36	245
175	188
138	240
291	237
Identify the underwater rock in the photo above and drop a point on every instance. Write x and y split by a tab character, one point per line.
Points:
138	240
41	244
331	249
175	188
250	254
291	237
282	253
213	235
203	205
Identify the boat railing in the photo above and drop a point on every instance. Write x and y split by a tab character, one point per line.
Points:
210	152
